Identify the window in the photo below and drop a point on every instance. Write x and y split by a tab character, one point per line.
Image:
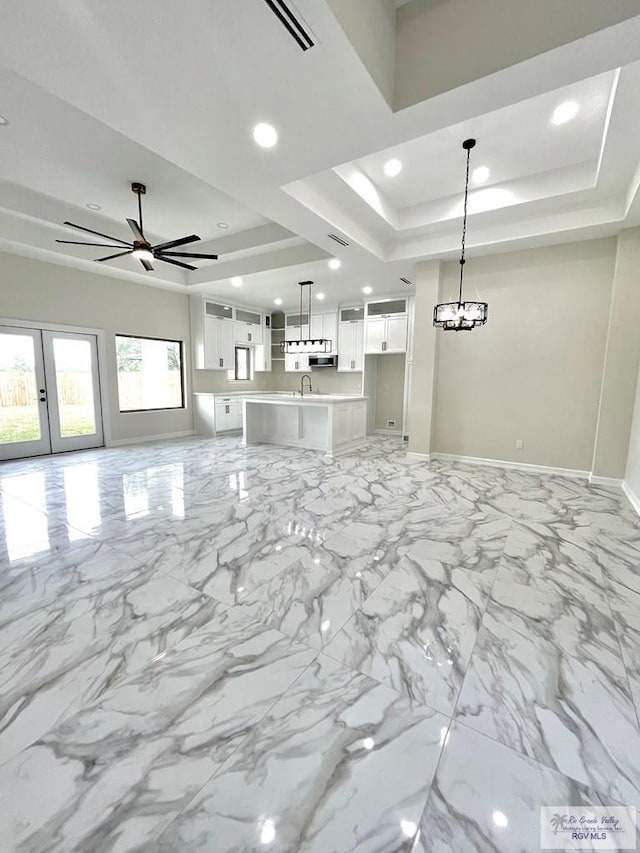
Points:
243	364
150	374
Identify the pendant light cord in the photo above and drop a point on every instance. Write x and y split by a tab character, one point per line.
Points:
464	225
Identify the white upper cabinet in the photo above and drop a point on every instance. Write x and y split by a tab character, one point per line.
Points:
350	346
248	327
216	328
386	326
219	344
325	326
296	363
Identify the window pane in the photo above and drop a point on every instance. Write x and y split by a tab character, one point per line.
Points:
74	378
242	363
149	373
19	418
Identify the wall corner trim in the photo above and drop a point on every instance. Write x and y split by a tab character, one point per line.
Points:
518	466
144	439
418	457
634	499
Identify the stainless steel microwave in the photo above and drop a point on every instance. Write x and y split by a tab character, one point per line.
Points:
323	361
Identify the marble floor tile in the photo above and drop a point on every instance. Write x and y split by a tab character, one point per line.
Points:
625	607
113	776
205	646
417	630
571	712
340	763
313	597
100	620
486	798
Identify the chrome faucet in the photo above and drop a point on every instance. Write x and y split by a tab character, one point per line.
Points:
306	376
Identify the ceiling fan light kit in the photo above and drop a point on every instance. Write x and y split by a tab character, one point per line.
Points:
461	316
140	247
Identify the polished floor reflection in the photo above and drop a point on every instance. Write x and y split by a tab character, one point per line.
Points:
206	647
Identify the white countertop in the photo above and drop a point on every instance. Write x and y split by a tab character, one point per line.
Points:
287	398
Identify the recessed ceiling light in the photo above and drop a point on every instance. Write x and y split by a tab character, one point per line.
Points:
335	264
4	120
480	175
278	301
265	135
392	167
565	112
236	281
366	289
222	224
320	296
93	206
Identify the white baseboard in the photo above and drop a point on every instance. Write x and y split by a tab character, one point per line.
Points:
145	439
418	457
605	481
387	431
634	500
518	466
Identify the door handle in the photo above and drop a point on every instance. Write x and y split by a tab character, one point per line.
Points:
384	346
221	362
249	336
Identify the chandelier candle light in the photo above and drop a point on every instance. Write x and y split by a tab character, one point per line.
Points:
307	345
461	316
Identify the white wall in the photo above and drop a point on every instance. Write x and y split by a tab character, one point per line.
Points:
622	359
42	292
632	474
370	26
442	45
534	371
389	390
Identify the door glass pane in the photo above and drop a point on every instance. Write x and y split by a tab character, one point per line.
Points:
74	378
19	419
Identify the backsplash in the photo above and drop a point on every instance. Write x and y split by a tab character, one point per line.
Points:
326	380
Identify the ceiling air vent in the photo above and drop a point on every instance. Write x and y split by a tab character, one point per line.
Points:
291	23
338	239
405	280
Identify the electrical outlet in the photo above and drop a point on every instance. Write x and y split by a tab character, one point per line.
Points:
391	424
519	444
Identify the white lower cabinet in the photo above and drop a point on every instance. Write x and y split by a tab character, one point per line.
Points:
228	413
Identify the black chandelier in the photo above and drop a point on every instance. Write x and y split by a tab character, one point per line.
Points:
309	344
461	316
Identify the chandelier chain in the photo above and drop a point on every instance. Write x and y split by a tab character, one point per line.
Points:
464	224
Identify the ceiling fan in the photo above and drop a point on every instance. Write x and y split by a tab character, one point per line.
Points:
140	247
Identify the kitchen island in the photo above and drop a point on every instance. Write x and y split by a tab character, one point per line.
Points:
332	423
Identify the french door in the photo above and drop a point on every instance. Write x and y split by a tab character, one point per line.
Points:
49	392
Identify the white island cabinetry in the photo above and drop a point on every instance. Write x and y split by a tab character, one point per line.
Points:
331	423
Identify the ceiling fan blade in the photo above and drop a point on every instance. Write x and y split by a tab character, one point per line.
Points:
191	239
137	233
175	263
187	255
79	243
146	265
117	255
97	233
